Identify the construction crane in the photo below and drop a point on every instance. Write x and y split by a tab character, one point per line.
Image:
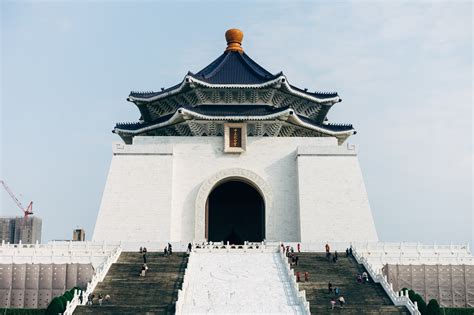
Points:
26	211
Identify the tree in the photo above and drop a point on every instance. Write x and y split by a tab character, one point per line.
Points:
433	308
55	307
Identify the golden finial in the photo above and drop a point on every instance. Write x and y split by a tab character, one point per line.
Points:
234	40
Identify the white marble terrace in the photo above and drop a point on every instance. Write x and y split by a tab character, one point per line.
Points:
221	281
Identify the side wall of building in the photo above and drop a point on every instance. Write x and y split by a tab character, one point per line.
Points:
153	185
35	285
136	203
332	197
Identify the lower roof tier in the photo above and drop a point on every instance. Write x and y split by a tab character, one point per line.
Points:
208	120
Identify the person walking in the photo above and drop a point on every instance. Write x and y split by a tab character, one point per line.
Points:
333	303
170	249
365	277
190	247
330	287
298	246
143	270
342	301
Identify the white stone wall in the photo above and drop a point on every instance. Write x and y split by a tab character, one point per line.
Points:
153	185
332	197
136	204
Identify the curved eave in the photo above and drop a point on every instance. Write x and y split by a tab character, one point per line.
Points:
288	115
280	80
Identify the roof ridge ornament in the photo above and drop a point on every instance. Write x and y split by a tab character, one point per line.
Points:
234	38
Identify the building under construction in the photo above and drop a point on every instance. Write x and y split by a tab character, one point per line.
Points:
24	229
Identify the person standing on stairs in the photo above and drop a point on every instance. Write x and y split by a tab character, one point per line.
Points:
330	287
170	249
144	257
190	247
333	303
342	301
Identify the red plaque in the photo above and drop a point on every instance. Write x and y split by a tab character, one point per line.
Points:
235	135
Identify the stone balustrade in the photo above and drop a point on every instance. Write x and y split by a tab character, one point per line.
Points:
397	298
99	276
64	252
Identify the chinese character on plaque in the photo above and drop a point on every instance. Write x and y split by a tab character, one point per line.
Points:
235	137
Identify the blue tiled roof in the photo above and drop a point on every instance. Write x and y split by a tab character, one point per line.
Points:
234	68
233	110
321	95
237	110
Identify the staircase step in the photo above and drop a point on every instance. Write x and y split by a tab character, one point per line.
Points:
156	293
366	298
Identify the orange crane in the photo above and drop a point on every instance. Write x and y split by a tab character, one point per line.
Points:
26	211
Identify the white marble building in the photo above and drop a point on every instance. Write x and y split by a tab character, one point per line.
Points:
234	153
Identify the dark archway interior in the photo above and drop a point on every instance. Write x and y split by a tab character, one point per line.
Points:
236	213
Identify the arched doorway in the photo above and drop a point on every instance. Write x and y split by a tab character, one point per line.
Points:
235	212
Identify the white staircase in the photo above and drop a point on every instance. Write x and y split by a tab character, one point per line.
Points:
239	281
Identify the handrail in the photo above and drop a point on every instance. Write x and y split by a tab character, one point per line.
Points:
301	295
99	276
184	288
378	277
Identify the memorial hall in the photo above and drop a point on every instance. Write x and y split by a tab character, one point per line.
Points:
234	153
233	192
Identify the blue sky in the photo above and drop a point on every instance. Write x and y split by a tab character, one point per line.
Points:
403	69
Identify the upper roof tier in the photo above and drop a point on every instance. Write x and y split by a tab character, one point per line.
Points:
235	69
234	88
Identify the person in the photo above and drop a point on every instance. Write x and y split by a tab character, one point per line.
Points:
298	246
333	303
296	260
170	249
330	287
336	255
292	260
359	278
144	250
350	251
306	276
143	270
90	298
328	251
282	248
141	249
190	247
347	252
365	277
100	299
334	259
107	299
165	251
342	301
336	291
144	258
287	251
